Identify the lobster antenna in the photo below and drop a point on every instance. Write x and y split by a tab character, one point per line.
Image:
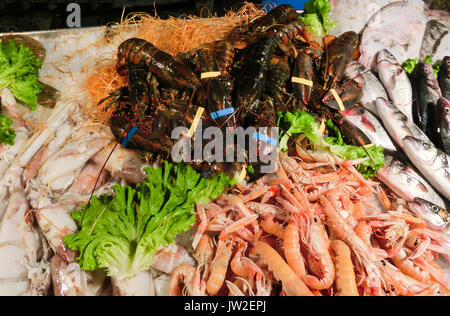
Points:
100	173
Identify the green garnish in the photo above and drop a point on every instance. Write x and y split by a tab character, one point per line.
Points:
19	72
316	17
7	134
409	65
369	167
121	233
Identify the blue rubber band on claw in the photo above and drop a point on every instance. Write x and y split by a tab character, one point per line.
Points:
221	113
265	138
129	136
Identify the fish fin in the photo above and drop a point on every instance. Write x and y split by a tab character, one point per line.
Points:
368	124
434	33
421	187
391	82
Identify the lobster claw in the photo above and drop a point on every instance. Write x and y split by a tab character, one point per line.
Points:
149	137
339	54
349	92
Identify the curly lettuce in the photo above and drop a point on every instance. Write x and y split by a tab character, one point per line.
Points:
19	72
317	17
295	123
7	134
375	154
121	233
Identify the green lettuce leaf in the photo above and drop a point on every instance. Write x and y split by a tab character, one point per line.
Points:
295	123
410	64
121	233
7	134
19	72
375	154
317	17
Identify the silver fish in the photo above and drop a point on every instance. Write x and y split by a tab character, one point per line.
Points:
404	181
431	162
437	217
396	82
369	125
372	87
397	123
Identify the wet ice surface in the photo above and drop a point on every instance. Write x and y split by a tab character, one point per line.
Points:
352	15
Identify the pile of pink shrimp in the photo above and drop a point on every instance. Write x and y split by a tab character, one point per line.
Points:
312	229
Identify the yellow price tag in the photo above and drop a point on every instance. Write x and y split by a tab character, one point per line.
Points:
197	119
306	82
338	99
212	74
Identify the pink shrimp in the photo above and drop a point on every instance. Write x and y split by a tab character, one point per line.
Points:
201	227
237	265
272	227
319	258
183	281
265	209
363	252
204	253
407	266
435	271
292	284
345	272
255	194
292	250
219	269
364	231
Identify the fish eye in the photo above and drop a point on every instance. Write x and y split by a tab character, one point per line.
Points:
362	68
447	110
426	146
435	208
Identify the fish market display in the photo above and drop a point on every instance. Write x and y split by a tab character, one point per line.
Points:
127	155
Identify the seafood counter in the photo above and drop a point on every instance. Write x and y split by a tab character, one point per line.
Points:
354	112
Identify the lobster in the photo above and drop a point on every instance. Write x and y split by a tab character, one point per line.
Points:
252	81
215	58
253	30
138	109
337	57
168	70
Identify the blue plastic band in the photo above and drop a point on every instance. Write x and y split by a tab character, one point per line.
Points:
221	113
265	138
129	136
